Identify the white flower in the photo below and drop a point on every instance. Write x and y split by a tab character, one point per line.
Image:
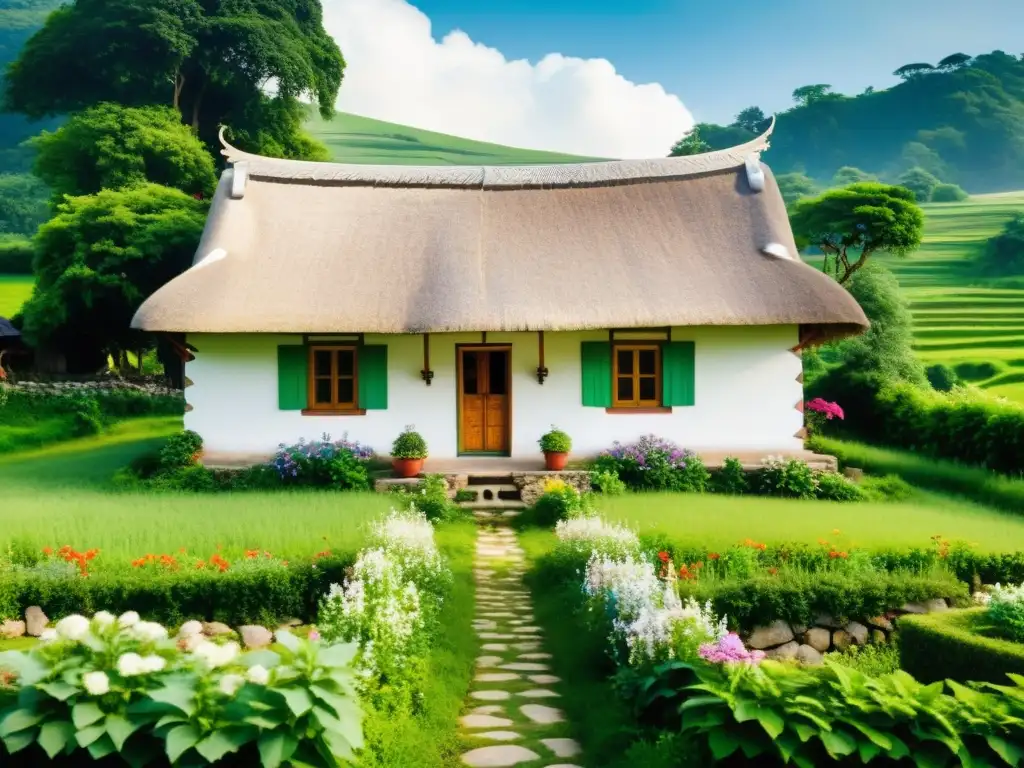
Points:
73	627
48	636
217	655
229	684
153	663
149	631
130	664
104	618
190	629
192	642
258	674
129	619
96	683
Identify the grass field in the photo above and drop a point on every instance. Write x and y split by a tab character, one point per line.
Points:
720	521
355	139
14	289
61	495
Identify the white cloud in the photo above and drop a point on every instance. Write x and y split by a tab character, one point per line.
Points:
398	72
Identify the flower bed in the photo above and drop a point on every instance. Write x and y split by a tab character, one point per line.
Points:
122	686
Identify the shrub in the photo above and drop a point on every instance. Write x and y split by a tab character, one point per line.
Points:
1003	254
560	501
920	182
976	371
957	645
941	377
731	478
774	712
818	411
652	463
607	483
121	686
555	441
16	257
948	193
872	660
831	486
1006	611
86	419
409	445
791	479
180	450
888	488
340	464
431	498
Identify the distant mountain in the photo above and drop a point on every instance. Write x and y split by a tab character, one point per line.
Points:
964	124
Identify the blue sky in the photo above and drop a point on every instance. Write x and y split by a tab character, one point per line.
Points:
719	57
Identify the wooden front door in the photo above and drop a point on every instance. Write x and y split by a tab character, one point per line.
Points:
484	399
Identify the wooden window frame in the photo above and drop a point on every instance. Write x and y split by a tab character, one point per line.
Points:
637	405
334	407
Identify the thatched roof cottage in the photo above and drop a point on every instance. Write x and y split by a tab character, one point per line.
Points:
484	304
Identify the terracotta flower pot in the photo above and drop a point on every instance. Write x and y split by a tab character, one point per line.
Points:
407	467
555	461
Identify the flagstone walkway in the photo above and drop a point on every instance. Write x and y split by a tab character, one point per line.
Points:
514	719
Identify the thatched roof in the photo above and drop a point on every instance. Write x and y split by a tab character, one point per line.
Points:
303	247
7	330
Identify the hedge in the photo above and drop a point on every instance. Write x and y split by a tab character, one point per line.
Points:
16	257
242	595
957	645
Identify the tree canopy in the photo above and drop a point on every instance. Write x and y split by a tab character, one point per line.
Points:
954	61
110	146
241	63
850	175
808	94
857	221
22	204
690	144
99	258
920	182
908	71
1004	253
795	186
751	118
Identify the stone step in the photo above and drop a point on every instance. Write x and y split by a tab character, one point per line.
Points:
497	496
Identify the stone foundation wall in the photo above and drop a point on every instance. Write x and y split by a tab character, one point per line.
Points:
807	644
531	484
91	385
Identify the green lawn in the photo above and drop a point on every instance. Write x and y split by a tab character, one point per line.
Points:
355	139
974	325
14	290
61	495
718	521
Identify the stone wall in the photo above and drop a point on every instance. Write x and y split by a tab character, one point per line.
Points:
531	484
807	644
90	385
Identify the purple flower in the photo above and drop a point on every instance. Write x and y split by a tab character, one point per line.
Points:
730	650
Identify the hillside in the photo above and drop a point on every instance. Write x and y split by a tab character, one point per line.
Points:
966	126
355	139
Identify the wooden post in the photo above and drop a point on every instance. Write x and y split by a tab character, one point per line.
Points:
426	374
542	371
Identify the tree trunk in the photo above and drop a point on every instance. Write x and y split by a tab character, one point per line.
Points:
196	106
179	84
850	269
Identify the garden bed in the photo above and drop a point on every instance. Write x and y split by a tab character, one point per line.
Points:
959	645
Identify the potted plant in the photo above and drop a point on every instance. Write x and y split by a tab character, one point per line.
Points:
408	452
556	445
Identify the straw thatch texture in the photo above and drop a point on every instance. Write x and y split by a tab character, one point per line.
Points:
325	255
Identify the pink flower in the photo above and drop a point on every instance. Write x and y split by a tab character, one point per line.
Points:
831	410
313	635
730	650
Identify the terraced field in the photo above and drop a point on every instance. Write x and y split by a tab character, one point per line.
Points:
14	289
973	325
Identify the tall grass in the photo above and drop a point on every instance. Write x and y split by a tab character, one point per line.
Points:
975	483
14	291
718	521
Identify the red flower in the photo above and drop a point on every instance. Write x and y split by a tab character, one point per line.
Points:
47	551
773	571
663	556
713	556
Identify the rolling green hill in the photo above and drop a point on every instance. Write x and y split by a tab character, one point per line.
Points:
355	139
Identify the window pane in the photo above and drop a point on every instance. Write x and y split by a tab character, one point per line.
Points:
648	388
625	389
648	361
346	362
322	363
322	391
346	391
498	372
469	373
625	357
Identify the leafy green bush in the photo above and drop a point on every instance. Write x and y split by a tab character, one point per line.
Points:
180	450
560	501
607	483
431	498
957	645
948	193
787	713
120	686
555	441
888	488
976	371
941	377
831	486
1006	611
1004	253
650	464
791	479
872	660
15	257
409	445
731	478
249	592
339	464
920	182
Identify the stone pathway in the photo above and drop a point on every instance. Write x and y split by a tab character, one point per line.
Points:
513	717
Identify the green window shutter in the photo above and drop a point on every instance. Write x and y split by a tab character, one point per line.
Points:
292	392
596	359
678	376
373	377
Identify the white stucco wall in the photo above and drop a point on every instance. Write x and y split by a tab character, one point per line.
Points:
746	392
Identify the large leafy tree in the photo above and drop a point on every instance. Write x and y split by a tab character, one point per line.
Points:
920	182
852	223
98	259
808	94
110	146
751	118
22	204
795	186
690	144
242	63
